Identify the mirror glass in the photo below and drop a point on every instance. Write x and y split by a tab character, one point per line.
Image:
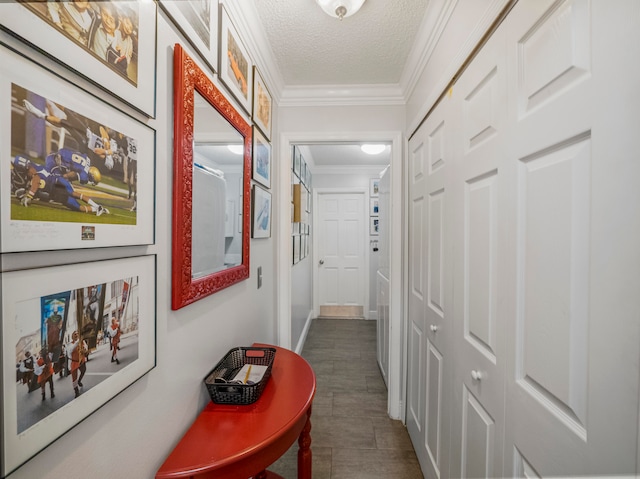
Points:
217	191
211	186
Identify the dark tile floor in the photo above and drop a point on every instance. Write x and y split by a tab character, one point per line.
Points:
352	435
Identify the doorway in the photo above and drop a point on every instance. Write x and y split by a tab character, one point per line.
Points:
287	330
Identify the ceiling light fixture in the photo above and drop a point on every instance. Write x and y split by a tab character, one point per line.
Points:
340	8
373	149
236	149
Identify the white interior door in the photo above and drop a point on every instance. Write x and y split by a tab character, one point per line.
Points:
572	404
342	272
480	258
430	294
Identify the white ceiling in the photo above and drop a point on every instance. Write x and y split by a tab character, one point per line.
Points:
312	49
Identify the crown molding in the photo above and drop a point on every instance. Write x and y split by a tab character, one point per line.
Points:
425	43
360	170
340	95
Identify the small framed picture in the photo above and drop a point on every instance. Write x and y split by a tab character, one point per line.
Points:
236	67
373	207
261	112
296	249
82	333
111	43
198	21
374	226
261	171
261	213
374	187
297	161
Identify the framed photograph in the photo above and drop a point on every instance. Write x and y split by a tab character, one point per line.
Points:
296	249
81	333
76	172
198	21
261	171
261	213
111	43
303	171
297	161
261	112
373	187
373	207
236	67
374	225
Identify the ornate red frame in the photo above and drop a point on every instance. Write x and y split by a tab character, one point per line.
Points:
187	78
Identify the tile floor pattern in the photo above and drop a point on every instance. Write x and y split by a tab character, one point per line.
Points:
352	437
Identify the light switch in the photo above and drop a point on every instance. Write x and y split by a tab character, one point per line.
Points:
259	277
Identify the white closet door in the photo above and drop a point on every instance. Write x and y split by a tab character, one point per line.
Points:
572	403
480	194
429	329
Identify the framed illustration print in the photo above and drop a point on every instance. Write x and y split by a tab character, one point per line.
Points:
72	312
261	112
261	171
374	223
76	172
236	67
111	43
198	21
296	249
373	187
261	213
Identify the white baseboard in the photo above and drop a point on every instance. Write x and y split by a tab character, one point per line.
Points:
305	331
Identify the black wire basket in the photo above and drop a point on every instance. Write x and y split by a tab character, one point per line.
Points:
222	381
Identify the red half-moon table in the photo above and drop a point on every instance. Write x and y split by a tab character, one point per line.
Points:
242	441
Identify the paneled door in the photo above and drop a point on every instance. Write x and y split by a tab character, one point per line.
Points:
341	249
429	324
572	393
479	195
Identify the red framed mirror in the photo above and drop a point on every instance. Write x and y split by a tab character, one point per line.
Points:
211	186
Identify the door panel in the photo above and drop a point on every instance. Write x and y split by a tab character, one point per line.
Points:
341	244
570	409
479	194
429	296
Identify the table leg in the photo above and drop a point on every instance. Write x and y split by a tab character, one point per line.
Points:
304	450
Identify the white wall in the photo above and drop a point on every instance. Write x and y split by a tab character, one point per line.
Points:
131	435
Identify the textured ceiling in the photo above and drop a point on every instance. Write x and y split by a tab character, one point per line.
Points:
312	48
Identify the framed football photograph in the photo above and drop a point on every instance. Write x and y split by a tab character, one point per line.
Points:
81	334
111	43
198	21
75	172
236	67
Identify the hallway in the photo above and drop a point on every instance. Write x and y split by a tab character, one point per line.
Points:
352	435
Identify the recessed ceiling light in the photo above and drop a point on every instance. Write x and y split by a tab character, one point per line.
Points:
236	149
373	149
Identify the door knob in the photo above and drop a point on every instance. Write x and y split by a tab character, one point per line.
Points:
321	262
434	328
476	375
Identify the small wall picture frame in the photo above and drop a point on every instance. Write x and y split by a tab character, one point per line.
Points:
198	21
374	225
235	65
373	207
261	213
374	186
261	110
261	168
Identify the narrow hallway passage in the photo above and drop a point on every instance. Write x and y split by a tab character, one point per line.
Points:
352	435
